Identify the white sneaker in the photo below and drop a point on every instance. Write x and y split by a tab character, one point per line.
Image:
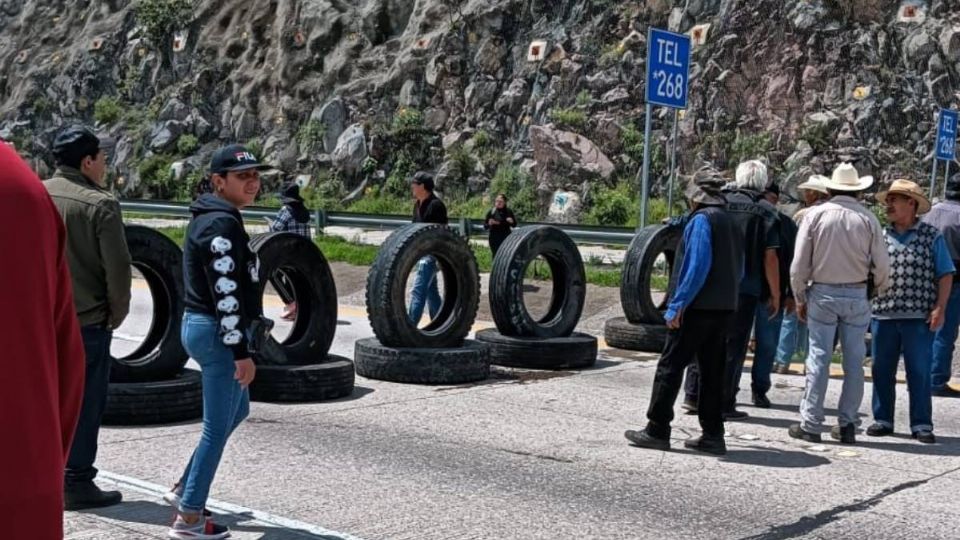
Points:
203	529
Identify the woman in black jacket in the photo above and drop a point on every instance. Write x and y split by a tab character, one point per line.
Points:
499	222
223	304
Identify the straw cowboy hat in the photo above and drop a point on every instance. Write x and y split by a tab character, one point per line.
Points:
816	182
846	178
908	189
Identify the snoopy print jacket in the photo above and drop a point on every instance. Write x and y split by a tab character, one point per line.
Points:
220	273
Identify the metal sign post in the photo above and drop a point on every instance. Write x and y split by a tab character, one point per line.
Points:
946	148
673	163
668	78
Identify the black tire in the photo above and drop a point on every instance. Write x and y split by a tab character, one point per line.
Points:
468	363
331	379
572	352
520	248
646	246
161	355
386	287
313	287
622	334
177	399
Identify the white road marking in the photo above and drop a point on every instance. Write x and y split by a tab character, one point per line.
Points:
220	507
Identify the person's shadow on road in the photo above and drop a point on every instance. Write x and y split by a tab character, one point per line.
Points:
772	457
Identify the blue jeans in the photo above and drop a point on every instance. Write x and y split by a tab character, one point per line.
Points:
833	308
793	338
83	451
425	290
912	337
767	334
225	405
944	340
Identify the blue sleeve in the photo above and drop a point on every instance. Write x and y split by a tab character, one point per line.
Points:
941	257
697	258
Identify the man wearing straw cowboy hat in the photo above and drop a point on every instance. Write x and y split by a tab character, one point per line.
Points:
839	245
709	263
793	333
910	311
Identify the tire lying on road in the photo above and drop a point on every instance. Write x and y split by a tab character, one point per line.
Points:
638	266
309	275
571	352
331	379
520	248
467	363
177	399
160	355
387	294
623	334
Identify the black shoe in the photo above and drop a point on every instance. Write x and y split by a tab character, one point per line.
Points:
707	445
689	406
84	495
924	436
846	434
945	391
760	401
734	414
645	440
879	430
797	432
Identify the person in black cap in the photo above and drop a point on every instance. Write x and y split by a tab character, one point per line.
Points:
100	271
428	208
293	217
222	305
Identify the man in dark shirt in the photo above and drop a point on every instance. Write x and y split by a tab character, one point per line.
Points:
709	263
428	208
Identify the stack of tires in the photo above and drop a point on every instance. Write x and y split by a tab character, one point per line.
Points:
150	385
437	353
642	328
300	368
549	342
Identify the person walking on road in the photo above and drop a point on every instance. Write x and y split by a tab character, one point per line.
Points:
293	217
223	305
839	246
709	263
945	216
499	221
41	390
101	274
906	316
793	332
428	208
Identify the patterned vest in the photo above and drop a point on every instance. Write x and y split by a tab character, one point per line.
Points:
913	285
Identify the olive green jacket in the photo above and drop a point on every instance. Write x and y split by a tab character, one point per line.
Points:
96	248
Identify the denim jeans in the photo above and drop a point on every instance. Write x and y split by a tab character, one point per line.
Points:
912	337
425	290
943	341
767	333
833	308
793	338
225	405
83	452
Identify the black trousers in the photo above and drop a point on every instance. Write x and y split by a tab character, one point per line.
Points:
738	330
700	338
83	452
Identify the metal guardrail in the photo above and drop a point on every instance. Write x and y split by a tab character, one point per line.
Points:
586	234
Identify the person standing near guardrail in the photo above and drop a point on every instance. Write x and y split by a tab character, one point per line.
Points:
428	208
100	269
222	310
41	390
708	265
293	217
839	246
499	221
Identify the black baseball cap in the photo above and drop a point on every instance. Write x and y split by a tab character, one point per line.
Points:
74	143
772	187
235	158
424	179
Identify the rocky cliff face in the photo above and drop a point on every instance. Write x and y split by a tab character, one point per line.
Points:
354	93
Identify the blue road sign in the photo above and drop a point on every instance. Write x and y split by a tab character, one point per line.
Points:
947	135
668	68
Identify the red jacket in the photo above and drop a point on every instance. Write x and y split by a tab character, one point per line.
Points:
42	362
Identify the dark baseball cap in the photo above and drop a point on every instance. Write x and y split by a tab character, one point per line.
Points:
235	158
424	179
74	143
772	187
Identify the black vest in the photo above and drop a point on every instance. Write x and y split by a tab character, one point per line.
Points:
721	290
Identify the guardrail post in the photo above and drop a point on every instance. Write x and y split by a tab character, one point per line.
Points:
321	218
465	227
